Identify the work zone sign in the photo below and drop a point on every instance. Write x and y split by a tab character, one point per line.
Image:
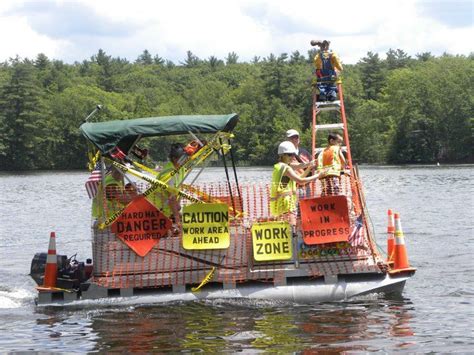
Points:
141	225
325	219
206	226
272	241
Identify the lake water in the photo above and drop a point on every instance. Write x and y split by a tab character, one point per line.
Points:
435	313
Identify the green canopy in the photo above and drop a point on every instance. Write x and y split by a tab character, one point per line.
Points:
123	134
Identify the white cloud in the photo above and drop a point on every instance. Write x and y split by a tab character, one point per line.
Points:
18	38
247	27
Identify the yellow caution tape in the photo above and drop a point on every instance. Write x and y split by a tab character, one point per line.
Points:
155	185
201	155
208	198
206	280
52	289
93	158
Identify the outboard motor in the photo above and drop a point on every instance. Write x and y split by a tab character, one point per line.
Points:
38	265
71	273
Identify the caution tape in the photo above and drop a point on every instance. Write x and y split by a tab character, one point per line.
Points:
209	198
155	185
93	158
52	289
201	155
197	158
206	280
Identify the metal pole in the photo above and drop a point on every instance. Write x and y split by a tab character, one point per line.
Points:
97	108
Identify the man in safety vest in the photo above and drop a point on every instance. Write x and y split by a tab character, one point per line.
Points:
116	195
163	200
283	196
302	158
328	67
333	162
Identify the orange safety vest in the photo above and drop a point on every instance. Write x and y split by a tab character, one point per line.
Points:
330	159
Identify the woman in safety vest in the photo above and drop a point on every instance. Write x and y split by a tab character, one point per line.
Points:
333	162
283	196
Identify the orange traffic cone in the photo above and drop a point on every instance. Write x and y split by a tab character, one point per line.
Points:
400	252
51	269
390	236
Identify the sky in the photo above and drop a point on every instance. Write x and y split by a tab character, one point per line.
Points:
74	30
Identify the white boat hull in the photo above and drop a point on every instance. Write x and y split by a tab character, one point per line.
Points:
305	292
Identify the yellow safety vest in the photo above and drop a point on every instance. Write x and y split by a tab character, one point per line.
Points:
161	199
112	204
283	197
329	159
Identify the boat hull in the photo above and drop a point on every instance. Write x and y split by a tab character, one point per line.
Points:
322	290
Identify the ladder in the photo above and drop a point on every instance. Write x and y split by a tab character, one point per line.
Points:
338	106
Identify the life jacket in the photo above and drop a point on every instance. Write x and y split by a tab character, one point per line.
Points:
327	70
161	199
329	159
113	205
283	197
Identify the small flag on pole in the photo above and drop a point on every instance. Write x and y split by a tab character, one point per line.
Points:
356	237
118	154
92	183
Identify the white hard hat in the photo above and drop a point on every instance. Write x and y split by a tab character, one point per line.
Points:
291	133
286	147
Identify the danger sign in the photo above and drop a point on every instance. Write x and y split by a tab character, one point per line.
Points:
325	219
141	225
206	226
272	241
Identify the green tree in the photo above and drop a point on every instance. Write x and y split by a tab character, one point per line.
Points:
145	58
191	60
231	58
397	59
372	75
23	117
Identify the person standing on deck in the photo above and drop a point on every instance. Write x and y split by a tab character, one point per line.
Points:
333	162
301	160
328	67
163	200
117	195
283	196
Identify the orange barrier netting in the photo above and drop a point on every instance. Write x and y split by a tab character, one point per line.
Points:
168	263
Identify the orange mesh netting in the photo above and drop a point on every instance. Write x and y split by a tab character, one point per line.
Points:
167	263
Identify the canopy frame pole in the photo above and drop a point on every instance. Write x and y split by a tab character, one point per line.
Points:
227	174
235	173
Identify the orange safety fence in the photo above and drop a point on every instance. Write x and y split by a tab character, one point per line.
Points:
168	263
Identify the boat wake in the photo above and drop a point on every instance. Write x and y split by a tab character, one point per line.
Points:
14	297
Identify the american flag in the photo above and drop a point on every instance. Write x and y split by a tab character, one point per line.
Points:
356	237
92	183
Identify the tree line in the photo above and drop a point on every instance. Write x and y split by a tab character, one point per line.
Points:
401	110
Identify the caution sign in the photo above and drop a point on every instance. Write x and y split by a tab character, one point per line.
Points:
141	225
206	226
325	219
272	241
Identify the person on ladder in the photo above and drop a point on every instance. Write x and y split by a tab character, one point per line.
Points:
332	161
328	67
